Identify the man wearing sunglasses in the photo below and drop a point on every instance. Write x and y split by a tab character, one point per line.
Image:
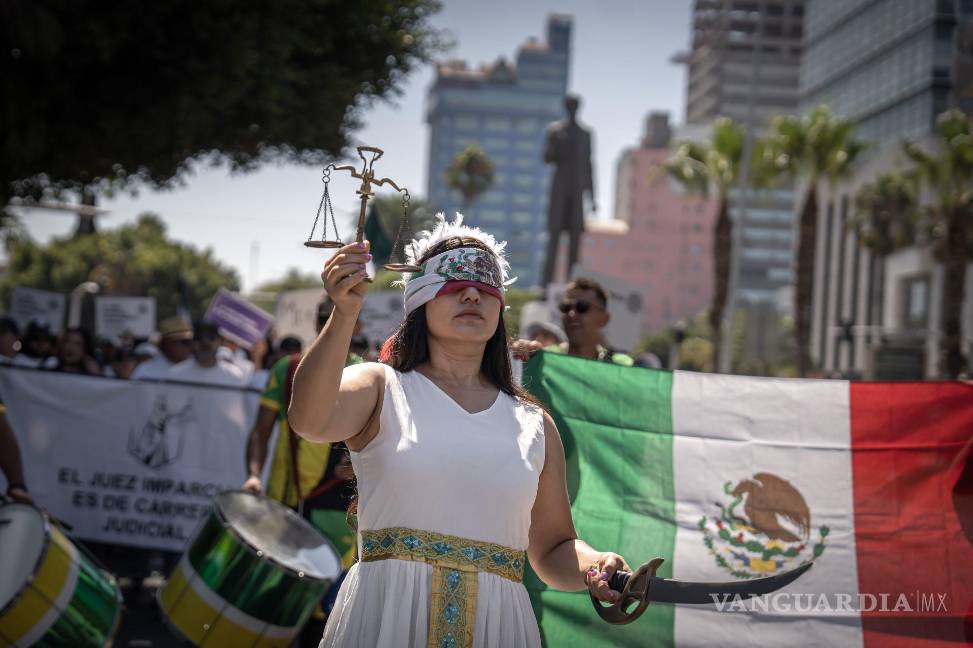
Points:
584	315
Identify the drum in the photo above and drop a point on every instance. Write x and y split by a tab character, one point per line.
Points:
51	594
251	576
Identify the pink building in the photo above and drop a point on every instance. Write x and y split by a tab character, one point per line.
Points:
661	237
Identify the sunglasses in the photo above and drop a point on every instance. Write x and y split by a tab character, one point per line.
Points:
579	306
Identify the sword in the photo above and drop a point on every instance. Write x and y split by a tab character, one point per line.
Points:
644	587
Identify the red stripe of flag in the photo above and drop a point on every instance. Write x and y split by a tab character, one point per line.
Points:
912	463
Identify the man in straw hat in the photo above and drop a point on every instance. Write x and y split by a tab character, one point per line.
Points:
175	345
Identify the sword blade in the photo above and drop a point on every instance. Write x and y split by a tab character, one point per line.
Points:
663	590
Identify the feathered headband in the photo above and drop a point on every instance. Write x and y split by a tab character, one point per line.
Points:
488	269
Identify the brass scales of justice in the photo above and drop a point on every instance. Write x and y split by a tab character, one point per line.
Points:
369	155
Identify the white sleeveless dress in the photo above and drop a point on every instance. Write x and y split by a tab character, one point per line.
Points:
435	467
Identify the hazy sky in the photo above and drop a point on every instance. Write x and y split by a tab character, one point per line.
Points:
619	65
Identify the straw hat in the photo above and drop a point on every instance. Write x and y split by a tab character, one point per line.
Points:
175	328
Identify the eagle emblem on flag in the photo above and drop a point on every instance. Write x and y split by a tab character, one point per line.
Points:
773	533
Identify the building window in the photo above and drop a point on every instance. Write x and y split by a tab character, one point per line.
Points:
528	125
915	312
496	144
498	124
490	215
466	122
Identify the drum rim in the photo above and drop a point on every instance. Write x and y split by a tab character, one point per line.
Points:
259	553
46	541
47	525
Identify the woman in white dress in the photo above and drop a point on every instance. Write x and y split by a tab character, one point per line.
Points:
460	472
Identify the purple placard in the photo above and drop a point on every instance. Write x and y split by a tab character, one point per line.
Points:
238	319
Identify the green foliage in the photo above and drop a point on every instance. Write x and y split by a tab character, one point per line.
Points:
818	145
657	343
813	148
713	166
947	173
696	354
383	222
110	95
293	280
471	173
133	260
885	214
515	300
947	220
384	279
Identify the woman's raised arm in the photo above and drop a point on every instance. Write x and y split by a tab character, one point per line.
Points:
324	407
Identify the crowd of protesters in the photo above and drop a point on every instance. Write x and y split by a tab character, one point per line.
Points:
179	351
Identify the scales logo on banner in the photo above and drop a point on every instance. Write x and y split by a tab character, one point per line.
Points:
773	535
160	441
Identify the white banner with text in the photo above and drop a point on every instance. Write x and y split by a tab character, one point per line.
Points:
127	462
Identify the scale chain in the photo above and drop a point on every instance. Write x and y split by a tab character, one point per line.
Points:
325	178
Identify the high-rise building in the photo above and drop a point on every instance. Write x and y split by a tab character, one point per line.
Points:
884	63
504	108
661	238
893	66
743	64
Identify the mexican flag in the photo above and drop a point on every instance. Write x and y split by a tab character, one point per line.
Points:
730	477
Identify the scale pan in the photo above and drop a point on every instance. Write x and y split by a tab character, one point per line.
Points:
402	267
324	244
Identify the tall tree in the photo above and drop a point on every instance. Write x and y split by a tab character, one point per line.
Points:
103	95
471	173
816	148
133	260
946	172
884	218
714	167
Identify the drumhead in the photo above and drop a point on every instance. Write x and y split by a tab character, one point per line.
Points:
282	535
22	532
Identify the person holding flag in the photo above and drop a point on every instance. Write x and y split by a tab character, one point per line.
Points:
461	474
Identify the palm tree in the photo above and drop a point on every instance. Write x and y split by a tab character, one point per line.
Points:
884	218
815	148
714	167
471	173
947	173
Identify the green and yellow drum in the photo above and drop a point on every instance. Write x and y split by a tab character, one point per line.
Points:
251	576
51	594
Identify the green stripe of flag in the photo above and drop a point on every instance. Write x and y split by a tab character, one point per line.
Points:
616	426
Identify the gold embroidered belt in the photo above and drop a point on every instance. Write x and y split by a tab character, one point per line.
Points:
455	562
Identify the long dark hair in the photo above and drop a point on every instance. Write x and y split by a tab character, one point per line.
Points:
408	347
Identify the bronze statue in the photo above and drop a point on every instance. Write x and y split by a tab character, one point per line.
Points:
568	148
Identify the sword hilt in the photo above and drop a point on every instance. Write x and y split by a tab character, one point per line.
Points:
619	580
633	588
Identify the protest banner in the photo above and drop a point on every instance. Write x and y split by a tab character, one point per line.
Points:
238	319
115	316
127	462
32	304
